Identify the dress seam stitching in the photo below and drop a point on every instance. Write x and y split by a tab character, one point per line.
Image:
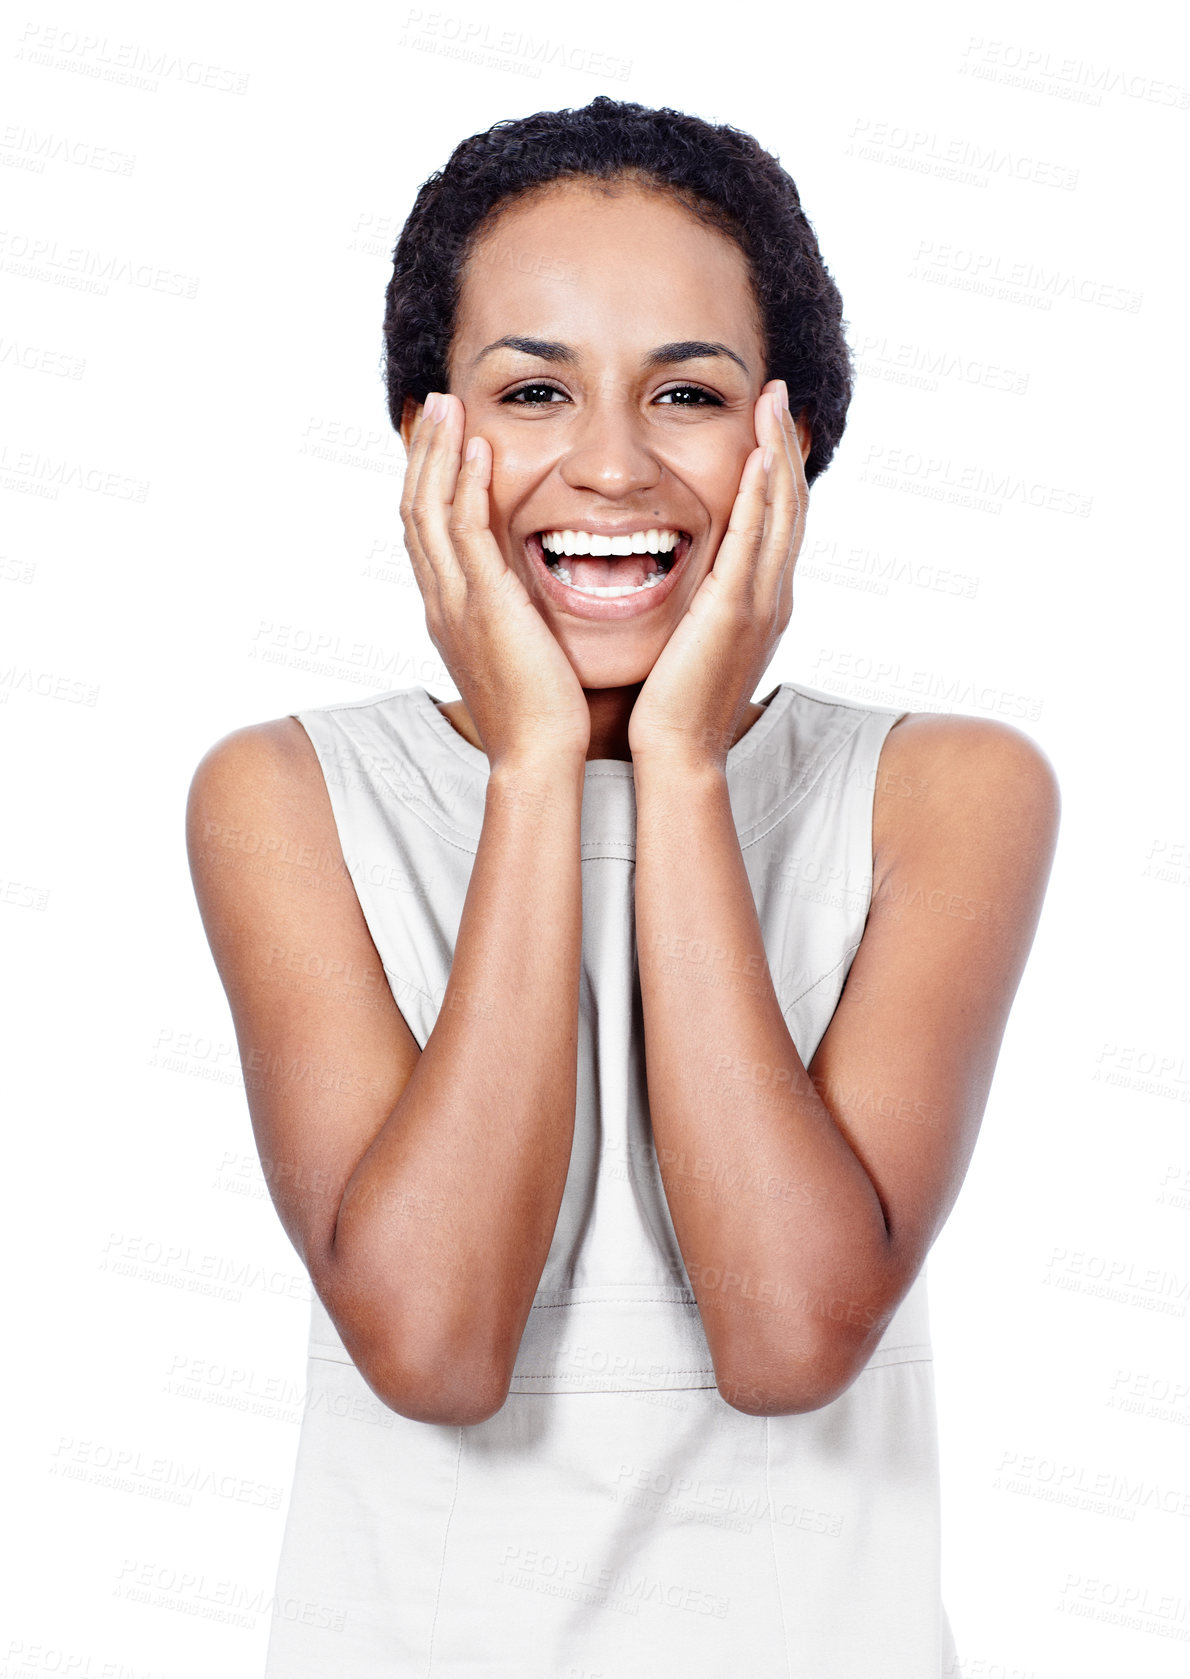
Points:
846	956
768	1492
407	983
555	1376
418	807
803	785
608	1300
454	1498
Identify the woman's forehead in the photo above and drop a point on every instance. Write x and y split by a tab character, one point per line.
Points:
606	271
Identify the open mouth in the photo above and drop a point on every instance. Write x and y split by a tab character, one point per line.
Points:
610	567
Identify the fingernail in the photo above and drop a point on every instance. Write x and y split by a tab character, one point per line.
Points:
472	449
783	396
433	408
768	460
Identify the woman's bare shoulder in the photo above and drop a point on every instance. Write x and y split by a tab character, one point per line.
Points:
275	751
952	774
259	794
304	981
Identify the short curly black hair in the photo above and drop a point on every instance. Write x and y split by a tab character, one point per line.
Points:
721	174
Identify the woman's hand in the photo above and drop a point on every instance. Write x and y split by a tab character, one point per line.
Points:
518	685
692	701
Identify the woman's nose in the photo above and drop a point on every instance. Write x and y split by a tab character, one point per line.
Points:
608	451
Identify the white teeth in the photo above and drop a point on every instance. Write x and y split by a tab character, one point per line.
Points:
586	542
563	575
568	542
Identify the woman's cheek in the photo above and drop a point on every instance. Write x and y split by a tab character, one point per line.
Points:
506	493
522	460
516	472
715	469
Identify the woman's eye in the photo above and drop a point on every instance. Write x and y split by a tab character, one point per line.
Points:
690	396
534	395
540	395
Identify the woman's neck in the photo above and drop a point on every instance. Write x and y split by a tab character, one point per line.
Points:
611	709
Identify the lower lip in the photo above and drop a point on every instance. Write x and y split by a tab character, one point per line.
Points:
578	605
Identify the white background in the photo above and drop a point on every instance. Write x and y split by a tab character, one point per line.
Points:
200	495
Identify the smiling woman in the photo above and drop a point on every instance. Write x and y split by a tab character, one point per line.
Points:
600	412
634	1139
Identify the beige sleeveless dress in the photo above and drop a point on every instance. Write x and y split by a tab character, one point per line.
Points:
616	1519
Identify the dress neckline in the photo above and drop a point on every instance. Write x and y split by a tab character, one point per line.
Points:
773	702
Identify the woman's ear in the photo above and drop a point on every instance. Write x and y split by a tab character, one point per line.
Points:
803	436
410	413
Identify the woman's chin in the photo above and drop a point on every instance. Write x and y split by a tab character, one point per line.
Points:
608	667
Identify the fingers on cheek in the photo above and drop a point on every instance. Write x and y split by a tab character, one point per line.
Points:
423	443
416	474
797	458
792	456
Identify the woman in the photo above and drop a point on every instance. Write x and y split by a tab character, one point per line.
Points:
616	1044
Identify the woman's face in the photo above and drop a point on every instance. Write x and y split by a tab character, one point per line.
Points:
607	346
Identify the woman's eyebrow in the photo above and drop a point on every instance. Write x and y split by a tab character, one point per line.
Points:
546	349
690	349
543	348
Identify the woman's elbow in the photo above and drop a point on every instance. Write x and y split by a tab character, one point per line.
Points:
775	1386
431	1373
449	1391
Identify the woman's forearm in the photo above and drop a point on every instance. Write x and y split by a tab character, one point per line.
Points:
446	1223
779	1224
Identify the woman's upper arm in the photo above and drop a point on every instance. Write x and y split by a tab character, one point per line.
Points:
324	1048
960	870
